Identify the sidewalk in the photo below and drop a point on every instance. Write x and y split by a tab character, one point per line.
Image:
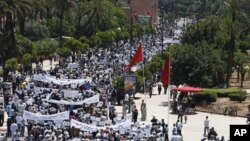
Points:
193	130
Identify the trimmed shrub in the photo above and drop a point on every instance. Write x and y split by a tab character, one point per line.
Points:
241	96
222	92
207	98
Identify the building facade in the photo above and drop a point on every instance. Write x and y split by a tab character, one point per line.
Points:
141	11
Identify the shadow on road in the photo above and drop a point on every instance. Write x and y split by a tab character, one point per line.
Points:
164	104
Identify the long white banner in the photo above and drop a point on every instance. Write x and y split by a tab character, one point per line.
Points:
83	126
32	116
91	128
49	79
93	99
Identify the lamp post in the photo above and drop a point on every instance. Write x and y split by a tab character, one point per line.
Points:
131	29
162	32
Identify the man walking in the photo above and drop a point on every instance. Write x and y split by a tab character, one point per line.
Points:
179	127
206	126
159	88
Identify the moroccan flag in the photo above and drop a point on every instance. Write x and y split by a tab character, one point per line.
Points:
165	76
138	57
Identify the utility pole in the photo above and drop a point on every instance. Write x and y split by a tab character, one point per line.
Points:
162	32
131	29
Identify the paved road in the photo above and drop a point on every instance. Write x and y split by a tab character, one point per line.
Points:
193	130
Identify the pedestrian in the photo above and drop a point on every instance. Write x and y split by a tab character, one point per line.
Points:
143	111
13	128
159	88
174	131
179	127
165	133
206	126
124	111
135	115
150	90
180	113
185	116
112	115
16	136
126	99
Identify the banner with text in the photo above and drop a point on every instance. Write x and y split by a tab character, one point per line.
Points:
32	116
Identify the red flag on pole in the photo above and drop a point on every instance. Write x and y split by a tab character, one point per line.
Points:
165	77
138	57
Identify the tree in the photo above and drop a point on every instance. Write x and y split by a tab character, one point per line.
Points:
101	16
196	65
240	60
9	9
76	46
62	7
11	65
233	7
27	61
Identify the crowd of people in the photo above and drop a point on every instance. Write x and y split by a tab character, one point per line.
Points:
76	99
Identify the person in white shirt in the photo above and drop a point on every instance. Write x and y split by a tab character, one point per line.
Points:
206	126
15	136
13	128
19	121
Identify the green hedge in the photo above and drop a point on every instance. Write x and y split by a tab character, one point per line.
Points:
241	96
200	98
222	92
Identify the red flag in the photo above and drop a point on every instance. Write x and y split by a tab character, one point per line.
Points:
148	13
165	76
138	57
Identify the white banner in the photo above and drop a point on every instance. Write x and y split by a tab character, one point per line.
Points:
93	99
83	126
49	79
122	125
70	94
32	116
86	127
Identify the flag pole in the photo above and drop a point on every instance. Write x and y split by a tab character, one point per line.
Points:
168	95
144	85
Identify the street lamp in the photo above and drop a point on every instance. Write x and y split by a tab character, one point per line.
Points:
162	32
131	29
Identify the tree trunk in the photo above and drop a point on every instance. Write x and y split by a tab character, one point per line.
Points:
61	27
9	29
21	25
48	13
78	26
231	48
242	79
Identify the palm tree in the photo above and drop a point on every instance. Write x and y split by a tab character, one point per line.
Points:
98	15
233	7
11	11
62	7
81	5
